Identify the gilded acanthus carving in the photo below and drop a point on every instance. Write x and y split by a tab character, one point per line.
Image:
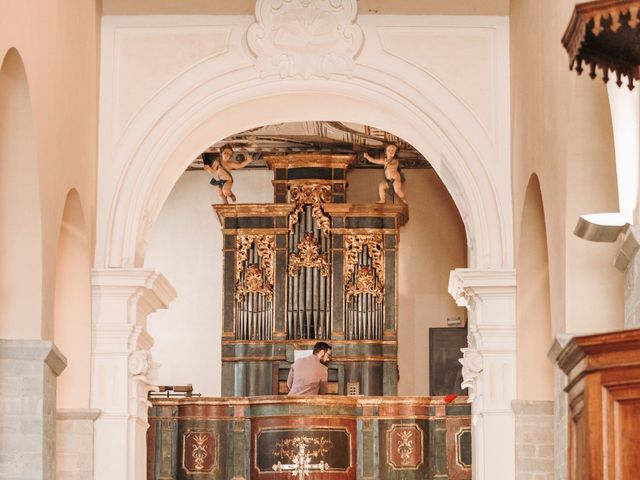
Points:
308	255
314	195
364	279
307	38
257	279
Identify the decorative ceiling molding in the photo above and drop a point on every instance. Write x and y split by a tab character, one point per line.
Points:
305	38
605	34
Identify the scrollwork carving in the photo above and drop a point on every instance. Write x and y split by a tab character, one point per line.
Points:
256	279
314	195
307	38
364	280
308	255
471	368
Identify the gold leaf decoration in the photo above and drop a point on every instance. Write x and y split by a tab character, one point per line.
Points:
308	255
314	195
256	279
364	280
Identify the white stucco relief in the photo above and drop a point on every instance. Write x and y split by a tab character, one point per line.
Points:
306	38
471	368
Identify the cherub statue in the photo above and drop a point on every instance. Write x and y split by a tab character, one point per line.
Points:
222	167
392	174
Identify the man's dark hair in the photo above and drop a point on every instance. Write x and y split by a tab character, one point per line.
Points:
320	346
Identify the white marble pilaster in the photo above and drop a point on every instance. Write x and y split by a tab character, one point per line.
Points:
122	300
489	366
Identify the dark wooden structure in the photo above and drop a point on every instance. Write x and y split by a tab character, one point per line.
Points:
605	34
310	267
312	438
445	371
604	398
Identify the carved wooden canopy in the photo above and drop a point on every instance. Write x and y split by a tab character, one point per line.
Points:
605	34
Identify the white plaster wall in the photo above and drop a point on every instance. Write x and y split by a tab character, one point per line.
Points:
186	245
440	83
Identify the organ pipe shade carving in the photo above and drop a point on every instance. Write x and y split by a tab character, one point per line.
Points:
308	282
308	255
364	277
314	195
254	287
354	246
250	278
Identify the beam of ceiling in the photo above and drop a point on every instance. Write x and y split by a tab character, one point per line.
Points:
315	137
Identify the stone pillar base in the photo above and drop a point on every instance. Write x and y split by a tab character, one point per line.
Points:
74	443
28	371
534	439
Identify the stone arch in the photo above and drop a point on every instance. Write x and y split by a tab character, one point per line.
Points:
533	305
20	214
72	305
190	121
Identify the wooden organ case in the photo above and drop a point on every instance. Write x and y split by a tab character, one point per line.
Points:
310	267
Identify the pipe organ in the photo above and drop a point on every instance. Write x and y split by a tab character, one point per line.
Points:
310	267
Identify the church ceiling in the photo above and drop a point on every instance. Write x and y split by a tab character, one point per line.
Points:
315	137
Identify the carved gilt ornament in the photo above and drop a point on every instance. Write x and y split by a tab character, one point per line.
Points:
314	195
305	38
364	279
308	255
256	279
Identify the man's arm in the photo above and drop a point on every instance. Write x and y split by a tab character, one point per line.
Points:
290	378
324	384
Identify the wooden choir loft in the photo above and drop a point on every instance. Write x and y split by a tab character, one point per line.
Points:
310	266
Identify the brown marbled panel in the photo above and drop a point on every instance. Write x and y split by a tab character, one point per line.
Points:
400	410
336	436
405	447
459	448
200	451
151	449
205	411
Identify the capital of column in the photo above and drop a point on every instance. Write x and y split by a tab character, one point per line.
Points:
490	297
467	285
129	295
122	300
489	361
